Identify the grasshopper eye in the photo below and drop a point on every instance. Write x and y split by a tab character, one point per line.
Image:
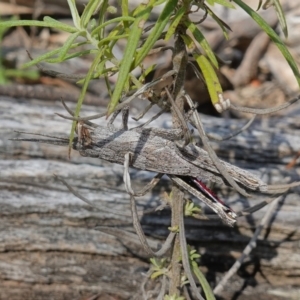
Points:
84	136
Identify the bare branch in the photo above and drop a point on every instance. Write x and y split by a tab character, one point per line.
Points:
185	256
138	228
151	119
235	133
251	245
163	288
135	219
141	115
265	111
44	135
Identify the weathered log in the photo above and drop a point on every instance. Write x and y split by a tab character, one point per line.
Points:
51	247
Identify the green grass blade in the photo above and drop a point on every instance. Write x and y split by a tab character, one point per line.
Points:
82	95
176	20
101	18
111	38
146	73
3	30
47	56
3	79
281	17
41	58
267	4
125	8
135	81
88	11
220	22
210	2
199	37
45	23
68	44
211	78
70	56
259	5
29	74
273	36
225	3
159	2
279	11
100	68
189	43
115	20
129	53
202	280
74	13
157	30
59	25
125	11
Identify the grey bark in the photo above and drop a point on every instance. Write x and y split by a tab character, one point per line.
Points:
50	247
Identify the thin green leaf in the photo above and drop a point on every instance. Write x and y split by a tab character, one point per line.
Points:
143	14
281	17
3	30
115	20
100	68
70	56
146	72
111	38
88	11
157	30
225	3
50	24
68	44
125	12
29	74
210	2
267	4
59	25
41	58
135	81
125	8
220	22
3	79
202	280
159	2
199	37
176	20
74	13
116	31
157	274
101	18
274	37
188	41
211	78
47	56
259	5
87	80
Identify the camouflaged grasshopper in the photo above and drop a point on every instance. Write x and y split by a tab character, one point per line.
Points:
156	150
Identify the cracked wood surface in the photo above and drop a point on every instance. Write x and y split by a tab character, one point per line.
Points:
50	244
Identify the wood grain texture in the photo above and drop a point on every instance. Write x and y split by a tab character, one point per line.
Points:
50	247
